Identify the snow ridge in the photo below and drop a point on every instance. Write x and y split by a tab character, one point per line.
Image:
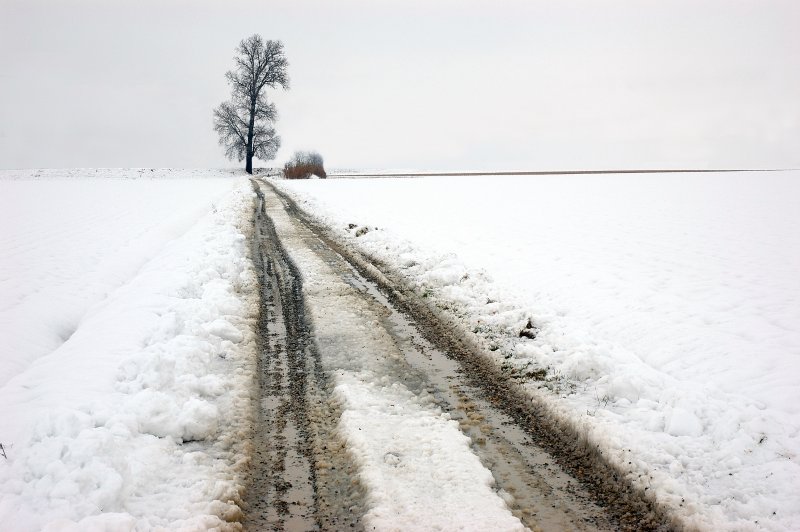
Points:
141	419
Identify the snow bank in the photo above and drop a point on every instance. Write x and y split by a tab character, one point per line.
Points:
666	312
131	353
67	243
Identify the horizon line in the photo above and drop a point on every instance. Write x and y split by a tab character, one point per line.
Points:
558	172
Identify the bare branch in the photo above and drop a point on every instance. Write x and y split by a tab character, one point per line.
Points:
231	130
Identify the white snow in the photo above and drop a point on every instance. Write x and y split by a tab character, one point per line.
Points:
667	310
126	349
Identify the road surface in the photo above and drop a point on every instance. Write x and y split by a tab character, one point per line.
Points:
374	415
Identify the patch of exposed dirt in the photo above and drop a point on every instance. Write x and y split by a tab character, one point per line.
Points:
302	477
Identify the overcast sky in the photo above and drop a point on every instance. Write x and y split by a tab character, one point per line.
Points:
412	84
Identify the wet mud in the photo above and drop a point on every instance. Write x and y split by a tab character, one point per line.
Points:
301	476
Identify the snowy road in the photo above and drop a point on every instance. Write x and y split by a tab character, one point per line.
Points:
373	414
285	489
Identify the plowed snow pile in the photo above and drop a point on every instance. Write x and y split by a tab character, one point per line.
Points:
666	313
126	348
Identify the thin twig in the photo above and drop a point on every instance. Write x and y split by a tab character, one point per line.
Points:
2	450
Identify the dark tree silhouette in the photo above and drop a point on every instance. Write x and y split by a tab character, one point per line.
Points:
244	123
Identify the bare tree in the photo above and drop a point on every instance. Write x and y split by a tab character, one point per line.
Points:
244	123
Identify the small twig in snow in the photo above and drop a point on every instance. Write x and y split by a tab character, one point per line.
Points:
3	450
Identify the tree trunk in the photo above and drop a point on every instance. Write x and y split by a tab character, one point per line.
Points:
250	128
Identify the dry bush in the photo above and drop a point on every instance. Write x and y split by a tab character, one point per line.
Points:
303	165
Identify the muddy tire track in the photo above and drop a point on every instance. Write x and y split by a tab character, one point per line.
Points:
301	476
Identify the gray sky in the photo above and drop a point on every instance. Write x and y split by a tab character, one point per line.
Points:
412	84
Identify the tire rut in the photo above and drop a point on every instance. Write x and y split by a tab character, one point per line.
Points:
301	476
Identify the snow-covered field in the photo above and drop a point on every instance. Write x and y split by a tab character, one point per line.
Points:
127	309
667	310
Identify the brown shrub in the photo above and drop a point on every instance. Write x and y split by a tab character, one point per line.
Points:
303	165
